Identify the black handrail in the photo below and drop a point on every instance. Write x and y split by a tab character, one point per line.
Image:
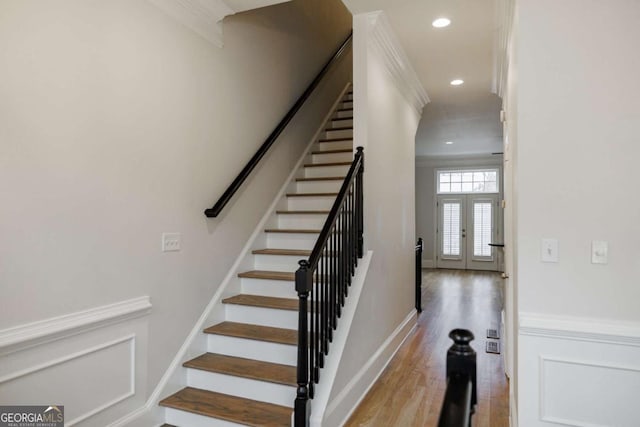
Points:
419	247
246	171
461	396
322	284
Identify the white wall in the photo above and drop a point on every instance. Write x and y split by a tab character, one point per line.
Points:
426	213
577	149
386	119
117	124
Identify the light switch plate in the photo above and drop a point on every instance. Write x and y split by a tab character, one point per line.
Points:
549	250
170	242
599	252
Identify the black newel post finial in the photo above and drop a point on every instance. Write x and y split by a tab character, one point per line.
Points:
461	359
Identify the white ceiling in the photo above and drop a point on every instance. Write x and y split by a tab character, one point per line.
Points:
468	114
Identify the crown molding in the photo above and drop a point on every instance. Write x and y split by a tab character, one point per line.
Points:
502	39
205	16
383	38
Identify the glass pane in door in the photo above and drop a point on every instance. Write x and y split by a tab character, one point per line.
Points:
482	228
451	229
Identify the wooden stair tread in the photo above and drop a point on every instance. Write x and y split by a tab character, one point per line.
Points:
271	275
245	368
346	150
255	332
342	110
342	128
335	139
291	230
229	408
315	165
322	178
264	302
312	194
291	252
302	212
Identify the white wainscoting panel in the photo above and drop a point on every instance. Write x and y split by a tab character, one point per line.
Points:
571	373
94	363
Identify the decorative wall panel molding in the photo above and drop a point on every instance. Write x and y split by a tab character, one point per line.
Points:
55	328
575	328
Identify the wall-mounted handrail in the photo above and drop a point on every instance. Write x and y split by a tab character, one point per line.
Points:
255	159
322	284
461	396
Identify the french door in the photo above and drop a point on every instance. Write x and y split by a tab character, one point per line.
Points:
467	223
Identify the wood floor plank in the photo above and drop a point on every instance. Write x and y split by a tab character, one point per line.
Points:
245	368
229	408
411	389
255	332
262	301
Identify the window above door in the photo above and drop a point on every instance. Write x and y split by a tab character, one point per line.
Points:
468	181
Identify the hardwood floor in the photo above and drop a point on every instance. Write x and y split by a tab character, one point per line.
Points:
411	389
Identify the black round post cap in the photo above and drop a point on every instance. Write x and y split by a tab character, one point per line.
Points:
461	336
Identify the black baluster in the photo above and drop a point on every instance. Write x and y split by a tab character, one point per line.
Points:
359	203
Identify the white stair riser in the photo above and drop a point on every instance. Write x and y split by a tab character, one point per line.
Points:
291	241
183	418
253	349
326	171
343	115
348	97
335	145
332	186
277	394
311	203
333	134
269	288
332	157
277	262
341	123
346	104
302	221
287	319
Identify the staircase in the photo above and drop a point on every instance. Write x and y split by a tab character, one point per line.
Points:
248	377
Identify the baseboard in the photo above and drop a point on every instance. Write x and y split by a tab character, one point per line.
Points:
428	263
162	388
513	410
345	403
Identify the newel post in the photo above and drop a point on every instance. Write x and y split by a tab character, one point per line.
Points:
359	201
302	406
461	360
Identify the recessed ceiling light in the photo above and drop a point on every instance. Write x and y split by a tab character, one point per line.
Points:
456	82
441	22
449	142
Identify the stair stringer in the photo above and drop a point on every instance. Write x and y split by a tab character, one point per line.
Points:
336	348
174	377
